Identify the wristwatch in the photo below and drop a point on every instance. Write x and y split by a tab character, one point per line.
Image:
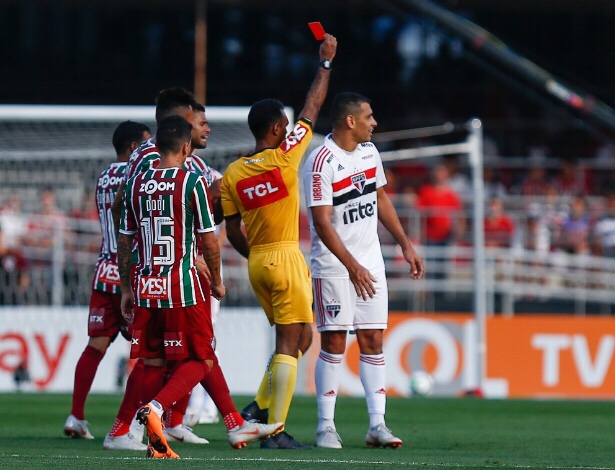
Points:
325	64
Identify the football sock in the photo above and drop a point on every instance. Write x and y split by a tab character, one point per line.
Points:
132	396
263	395
153	379
233	420
85	371
283	380
175	414
372	372
215	385
119	428
181	382
327	386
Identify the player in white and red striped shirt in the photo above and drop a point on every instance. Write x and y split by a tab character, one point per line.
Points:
344	188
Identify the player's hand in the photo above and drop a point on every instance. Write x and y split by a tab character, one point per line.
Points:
128	306
202	268
328	47
218	292
362	280
416	263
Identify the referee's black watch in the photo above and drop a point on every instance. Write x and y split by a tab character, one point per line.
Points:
325	64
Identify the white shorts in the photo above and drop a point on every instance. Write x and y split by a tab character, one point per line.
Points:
339	309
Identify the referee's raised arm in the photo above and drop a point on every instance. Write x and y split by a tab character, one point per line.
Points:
318	91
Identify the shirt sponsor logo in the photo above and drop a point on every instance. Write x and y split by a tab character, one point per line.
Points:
96	319
367	157
109	274
107	181
357	211
316	187
294	138
151	186
261	190
153	288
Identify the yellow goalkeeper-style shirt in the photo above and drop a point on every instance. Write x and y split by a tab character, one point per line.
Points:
264	188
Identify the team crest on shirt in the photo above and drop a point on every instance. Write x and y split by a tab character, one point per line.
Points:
359	181
333	309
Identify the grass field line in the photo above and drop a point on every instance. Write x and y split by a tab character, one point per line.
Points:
325	461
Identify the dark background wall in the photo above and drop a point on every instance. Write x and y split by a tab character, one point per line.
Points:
417	74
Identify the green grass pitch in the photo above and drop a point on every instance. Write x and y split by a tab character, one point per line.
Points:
437	433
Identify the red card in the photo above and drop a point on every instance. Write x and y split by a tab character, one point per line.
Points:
317	30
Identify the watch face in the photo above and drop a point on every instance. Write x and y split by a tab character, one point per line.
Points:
326	64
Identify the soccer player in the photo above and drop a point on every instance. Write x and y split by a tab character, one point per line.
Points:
344	187
105	316
174	101
165	210
261	189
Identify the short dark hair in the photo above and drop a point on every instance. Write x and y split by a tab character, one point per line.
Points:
126	133
170	99
173	132
198	107
262	114
345	104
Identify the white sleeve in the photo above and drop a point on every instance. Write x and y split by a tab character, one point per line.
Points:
317	183
381	179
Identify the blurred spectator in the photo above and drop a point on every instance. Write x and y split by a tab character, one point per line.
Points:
534	235
85	226
47	231
574	236
457	180
604	230
13	221
14	278
535	183
493	187
45	223
439	204
499	226
570	180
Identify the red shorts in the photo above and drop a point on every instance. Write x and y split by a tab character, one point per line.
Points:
105	318
173	333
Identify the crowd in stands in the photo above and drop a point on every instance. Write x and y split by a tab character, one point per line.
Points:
547	210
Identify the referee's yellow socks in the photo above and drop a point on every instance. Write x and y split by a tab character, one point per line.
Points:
283	380
263	395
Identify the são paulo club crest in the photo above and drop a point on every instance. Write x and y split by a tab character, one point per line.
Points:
359	181
333	309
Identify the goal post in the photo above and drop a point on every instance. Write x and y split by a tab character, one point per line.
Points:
472	146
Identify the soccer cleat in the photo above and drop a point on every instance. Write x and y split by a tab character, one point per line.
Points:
328	439
250	431
284	440
154	454
253	413
125	442
381	436
183	433
148	417
77	428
